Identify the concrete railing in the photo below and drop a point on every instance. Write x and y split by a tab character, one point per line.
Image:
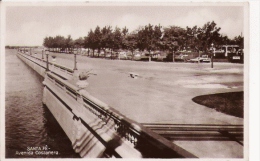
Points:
56	68
93	117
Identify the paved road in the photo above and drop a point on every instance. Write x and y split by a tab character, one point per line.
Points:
163	92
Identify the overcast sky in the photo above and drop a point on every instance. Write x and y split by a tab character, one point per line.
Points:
28	25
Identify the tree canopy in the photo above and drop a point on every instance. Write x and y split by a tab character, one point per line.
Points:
149	38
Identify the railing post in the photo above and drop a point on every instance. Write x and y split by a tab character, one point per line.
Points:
75	61
80	101
47	61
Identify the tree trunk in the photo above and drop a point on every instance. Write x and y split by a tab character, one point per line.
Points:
105	53
212	58
132	55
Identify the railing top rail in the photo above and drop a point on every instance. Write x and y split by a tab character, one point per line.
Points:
195	127
57	65
67	84
62	67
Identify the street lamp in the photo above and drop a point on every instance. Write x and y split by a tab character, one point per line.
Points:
212	50
75	60
42	53
47	60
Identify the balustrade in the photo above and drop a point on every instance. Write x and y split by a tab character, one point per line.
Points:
42	62
123	128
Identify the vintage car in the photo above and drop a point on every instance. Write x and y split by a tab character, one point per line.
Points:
236	57
181	57
203	59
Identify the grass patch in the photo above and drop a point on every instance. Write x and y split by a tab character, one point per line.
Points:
229	103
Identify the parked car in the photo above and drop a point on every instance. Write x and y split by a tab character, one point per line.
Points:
181	57
203	58
236	57
122	55
137	56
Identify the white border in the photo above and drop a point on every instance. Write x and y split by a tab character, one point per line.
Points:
254	82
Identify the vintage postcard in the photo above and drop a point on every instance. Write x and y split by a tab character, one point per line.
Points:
125	80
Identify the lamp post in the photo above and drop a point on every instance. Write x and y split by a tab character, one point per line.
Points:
75	60
42	53
212	50
47	60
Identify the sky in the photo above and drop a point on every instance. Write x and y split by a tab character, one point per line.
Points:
28	25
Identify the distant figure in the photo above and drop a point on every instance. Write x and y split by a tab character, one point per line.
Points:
133	75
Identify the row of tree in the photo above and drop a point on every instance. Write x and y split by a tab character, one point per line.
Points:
149	38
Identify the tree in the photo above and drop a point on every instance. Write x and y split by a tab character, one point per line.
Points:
48	42
124	36
90	40
124	31
79	43
224	40
239	40
130	43
97	39
116	40
149	38
69	44
209	34
106	38
172	39
59	43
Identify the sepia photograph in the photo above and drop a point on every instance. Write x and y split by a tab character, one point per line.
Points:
126	80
